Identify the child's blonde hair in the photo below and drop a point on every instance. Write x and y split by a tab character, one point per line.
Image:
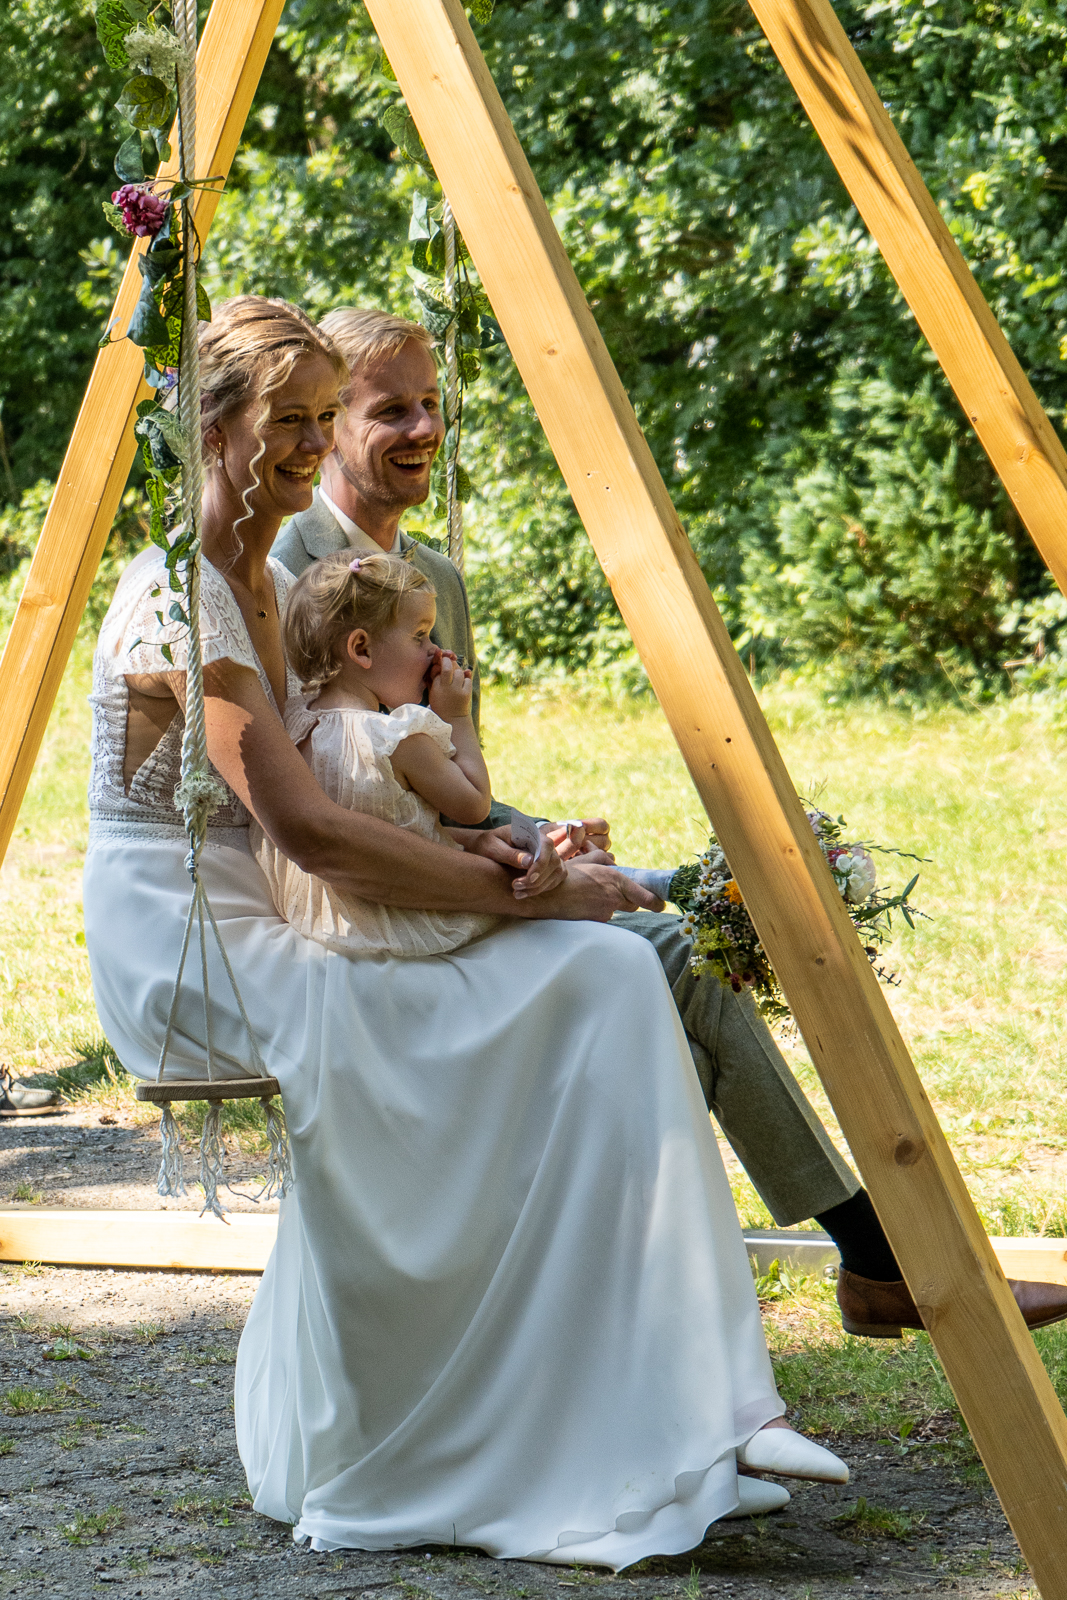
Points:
335	596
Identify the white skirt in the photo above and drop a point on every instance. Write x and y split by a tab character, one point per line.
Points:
510	1304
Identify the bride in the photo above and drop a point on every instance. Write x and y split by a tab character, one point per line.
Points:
510	1304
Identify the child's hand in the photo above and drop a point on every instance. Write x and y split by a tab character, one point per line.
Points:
451	688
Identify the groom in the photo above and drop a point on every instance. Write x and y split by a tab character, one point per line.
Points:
385	445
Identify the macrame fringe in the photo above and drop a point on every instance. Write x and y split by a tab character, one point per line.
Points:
212	1156
171	1182
279	1161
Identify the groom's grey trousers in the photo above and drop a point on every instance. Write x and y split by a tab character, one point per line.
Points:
758	1103
751	1092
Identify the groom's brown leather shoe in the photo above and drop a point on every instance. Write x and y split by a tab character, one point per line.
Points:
875	1310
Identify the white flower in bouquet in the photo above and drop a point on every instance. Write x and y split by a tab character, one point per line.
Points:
856	874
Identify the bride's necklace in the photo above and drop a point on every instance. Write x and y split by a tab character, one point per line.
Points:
233	578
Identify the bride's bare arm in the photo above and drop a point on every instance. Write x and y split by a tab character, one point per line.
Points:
364	855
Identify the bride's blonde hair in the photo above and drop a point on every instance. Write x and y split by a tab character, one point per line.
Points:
248	351
335	596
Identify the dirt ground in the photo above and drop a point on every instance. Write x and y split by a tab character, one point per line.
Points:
119	1474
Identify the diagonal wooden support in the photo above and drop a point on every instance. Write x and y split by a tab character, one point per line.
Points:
234	46
989	1358
924	258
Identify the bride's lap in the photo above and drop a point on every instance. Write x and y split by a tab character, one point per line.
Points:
299	994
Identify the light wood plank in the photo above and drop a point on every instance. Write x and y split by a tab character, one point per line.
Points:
150	1239
162	1240
230	59
1017	1422
926	262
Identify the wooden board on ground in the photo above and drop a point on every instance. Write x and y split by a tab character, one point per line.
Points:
180	1239
159	1239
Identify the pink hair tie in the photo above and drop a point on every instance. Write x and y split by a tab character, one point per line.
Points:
354	566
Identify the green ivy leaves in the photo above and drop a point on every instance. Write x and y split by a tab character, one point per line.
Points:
147	103
399	124
114	20
129	163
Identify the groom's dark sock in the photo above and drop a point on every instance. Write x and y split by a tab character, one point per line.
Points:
857	1233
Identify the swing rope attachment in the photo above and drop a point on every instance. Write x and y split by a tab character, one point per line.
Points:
199	793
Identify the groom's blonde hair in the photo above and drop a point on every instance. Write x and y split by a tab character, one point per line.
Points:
330	600
363	333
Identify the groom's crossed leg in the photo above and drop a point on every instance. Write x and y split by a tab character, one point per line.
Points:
749	1089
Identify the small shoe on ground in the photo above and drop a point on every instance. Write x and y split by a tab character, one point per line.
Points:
16	1100
875	1310
790	1455
756	1497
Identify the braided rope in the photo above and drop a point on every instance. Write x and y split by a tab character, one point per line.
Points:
199	793
454	506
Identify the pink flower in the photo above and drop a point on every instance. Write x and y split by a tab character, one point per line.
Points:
144	213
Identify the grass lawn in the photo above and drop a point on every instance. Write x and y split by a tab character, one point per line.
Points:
981	999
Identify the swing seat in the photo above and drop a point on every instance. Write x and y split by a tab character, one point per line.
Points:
214	1089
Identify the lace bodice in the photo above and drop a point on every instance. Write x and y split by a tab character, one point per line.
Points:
349	755
131	641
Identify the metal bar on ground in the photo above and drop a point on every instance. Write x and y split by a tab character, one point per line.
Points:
1016	1421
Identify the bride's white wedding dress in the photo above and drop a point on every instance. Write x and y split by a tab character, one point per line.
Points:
510	1304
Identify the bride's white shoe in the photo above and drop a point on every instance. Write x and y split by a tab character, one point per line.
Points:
790	1455
757	1497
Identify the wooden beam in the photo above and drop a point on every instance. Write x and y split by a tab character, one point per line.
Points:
1016	1420
923	257
234	46
157	1239
162	1240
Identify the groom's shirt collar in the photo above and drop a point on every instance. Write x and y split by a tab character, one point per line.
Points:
357	539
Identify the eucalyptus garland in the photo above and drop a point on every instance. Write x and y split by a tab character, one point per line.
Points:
135	37
453	305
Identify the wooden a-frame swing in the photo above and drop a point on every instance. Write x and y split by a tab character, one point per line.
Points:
988	1356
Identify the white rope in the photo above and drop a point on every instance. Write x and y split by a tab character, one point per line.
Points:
454	506
199	793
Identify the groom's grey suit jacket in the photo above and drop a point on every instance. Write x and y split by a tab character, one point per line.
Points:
315	533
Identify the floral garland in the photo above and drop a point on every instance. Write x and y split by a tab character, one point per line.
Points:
725	941
454	308
134	38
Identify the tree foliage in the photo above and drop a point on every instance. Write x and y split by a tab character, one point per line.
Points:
835	496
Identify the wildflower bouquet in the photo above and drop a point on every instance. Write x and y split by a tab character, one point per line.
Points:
725	940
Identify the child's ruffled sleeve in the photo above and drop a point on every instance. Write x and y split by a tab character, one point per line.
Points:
387	732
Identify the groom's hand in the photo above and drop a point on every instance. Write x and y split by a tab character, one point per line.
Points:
590	894
588	839
495	844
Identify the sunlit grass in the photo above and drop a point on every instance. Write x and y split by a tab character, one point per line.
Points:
983	984
981	792
46	1005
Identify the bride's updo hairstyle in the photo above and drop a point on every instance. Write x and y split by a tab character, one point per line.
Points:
247	351
335	596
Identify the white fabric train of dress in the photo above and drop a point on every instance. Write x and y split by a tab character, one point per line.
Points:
510	1304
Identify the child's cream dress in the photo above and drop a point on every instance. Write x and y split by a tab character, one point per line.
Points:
350	753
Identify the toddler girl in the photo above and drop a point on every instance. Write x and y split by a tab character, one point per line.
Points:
357	634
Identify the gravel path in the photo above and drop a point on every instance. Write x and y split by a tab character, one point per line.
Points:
119	1474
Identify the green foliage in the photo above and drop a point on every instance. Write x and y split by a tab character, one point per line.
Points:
20	527
834	493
